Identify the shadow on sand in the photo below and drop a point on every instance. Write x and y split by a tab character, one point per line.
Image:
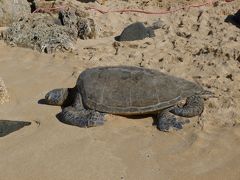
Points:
7	126
42	101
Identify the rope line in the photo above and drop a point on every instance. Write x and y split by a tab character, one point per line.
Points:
209	2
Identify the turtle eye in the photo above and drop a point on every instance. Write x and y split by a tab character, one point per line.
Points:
48	98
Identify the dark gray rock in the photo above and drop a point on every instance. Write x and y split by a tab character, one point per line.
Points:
135	31
234	19
7	127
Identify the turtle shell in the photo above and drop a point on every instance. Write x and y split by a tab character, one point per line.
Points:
131	90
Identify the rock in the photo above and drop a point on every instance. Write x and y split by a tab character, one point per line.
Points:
47	33
135	31
7	127
11	10
4	97
41	32
78	20
234	19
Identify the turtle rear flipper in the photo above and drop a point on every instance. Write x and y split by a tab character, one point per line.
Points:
167	121
193	107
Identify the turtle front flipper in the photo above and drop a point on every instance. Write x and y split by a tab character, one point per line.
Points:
193	107
167	121
82	118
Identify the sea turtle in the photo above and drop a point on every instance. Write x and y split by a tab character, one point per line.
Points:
127	90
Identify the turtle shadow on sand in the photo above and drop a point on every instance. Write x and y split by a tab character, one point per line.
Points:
42	101
9	126
130	117
234	19
177	124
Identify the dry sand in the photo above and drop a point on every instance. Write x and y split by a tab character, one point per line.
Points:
195	44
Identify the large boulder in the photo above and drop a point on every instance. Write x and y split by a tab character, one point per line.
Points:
10	10
49	33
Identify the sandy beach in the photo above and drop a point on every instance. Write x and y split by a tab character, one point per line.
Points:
196	44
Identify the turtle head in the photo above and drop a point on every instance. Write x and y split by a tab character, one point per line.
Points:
56	97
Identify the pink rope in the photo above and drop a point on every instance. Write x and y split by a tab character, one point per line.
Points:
209	2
